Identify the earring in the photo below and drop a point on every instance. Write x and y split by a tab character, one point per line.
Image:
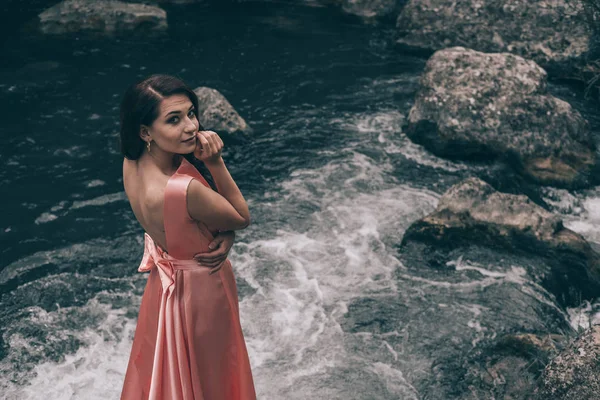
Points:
148	145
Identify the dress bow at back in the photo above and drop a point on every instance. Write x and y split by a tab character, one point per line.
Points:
155	257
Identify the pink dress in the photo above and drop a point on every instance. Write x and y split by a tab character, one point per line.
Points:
188	342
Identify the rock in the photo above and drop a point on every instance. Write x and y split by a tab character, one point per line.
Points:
509	367
369	9
472	212
575	373
177	1
551	32
482	308
103	17
474	105
217	114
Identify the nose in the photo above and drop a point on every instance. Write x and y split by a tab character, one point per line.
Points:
191	125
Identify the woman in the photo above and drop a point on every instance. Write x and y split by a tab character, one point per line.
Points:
188	342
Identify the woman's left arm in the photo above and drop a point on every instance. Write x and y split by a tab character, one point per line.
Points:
220	247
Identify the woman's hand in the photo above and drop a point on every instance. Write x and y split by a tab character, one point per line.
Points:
208	146
221	245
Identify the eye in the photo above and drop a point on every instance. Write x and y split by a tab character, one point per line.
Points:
172	120
193	112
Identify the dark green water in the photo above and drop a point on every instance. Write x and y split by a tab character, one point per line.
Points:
331	181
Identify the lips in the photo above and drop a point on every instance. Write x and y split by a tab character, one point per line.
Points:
189	140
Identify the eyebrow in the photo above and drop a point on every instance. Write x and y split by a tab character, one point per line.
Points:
177	111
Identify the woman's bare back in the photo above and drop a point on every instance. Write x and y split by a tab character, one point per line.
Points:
145	191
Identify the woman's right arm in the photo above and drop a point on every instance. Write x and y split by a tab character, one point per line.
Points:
226	210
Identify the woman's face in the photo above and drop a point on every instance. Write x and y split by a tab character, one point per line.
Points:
176	124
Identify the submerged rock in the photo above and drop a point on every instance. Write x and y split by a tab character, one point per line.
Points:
474	105
550	32
369	9
472	212
575	373
482	286
509	367
104	17
216	113
477	325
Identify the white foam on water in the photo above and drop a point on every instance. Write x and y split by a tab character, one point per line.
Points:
386	124
512	274
586	315
395	381
580	212
100	200
95	371
588	222
580	318
306	272
94	202
45	217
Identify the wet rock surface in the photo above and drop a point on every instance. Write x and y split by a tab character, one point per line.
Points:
552	33
101	17
575	373
480	106
216	113
487	328
370	9
473	212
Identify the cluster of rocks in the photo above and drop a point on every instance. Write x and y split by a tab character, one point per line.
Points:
552	33
483	97
527	365
472	212
483	92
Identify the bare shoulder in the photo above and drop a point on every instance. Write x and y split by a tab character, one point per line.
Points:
197	189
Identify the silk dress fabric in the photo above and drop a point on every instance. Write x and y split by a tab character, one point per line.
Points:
188	342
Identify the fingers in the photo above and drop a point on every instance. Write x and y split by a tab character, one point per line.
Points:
216	242
203	146
212	264
216	269
207	257
213	142
206	144
210	261
217	253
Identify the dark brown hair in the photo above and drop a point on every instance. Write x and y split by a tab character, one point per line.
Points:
140	106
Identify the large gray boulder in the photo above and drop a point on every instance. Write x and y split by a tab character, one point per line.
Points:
216	113
575	373
102	17
550	32
474	105
472	212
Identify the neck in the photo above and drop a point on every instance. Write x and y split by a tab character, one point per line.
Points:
166	162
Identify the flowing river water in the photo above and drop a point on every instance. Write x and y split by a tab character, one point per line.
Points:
328	307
